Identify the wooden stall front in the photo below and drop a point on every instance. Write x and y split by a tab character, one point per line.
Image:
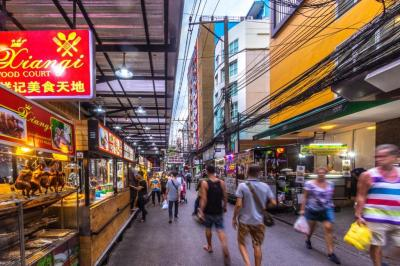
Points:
106	211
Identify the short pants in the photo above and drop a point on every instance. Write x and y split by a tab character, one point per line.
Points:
214	219
380	231
256	231
320	216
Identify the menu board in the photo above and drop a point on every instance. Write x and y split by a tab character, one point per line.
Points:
109	142
26	123
128	153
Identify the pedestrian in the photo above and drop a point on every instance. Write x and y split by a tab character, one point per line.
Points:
163	182
378	201
133	183
318	206
155	186
141	189
173	195
197	201
188	179
248	217
213	201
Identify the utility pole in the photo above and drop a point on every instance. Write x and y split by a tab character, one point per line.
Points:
227	102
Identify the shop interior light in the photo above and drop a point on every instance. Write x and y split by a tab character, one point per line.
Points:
117	127
153	144
301	155
327	127
23	149
351	154
135	143
146	128
371	128
151	137
123	72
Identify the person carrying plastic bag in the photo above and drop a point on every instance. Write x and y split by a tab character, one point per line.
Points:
301	225
358	236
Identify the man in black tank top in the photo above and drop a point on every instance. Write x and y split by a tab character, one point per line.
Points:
213	203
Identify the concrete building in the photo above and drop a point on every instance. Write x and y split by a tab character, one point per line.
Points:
248	48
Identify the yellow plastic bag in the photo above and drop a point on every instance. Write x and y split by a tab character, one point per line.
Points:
358	236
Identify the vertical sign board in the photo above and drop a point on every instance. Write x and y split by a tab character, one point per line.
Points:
25	123
52	64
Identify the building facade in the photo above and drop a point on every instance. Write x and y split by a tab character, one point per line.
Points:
248	47
324	91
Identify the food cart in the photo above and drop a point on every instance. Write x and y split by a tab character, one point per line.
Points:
37	150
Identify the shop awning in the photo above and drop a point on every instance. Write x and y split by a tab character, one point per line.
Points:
335	109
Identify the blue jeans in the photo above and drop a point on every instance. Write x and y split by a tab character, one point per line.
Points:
170	205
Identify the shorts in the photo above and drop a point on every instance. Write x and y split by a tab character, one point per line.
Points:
321	216
380	231
256	231
216	220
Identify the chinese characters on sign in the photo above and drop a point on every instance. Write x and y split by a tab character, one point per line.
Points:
25	123
48	64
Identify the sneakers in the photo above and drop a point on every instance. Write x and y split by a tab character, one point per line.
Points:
308	244
332	257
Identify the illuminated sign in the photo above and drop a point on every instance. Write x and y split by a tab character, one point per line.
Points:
109	142
55	64
128	153
323	149
26	123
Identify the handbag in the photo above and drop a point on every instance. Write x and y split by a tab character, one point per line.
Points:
267	217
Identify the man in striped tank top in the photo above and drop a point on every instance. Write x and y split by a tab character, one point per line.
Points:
378	200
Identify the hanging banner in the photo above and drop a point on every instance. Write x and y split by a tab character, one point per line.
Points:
54	64
27	124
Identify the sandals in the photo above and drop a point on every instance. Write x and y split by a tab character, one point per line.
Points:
208	248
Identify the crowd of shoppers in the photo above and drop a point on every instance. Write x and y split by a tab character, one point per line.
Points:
377	205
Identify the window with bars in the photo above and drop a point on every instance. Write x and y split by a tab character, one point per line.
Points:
282	11
343	6
233	68
383	36
234	47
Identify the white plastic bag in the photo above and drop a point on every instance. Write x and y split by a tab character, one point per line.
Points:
301	225
164	205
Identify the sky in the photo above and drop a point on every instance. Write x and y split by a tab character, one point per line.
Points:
224	8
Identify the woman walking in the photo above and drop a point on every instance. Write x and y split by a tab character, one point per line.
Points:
318	206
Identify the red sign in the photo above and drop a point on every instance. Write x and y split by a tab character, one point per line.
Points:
48	64
109	142
26	123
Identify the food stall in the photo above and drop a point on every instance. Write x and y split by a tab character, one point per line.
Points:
106	209
37	150
331	156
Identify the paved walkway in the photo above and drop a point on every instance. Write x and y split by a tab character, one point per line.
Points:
158	243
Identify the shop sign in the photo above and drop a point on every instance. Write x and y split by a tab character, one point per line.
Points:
323	149
53	64
109	142
128	152
177	159
26	123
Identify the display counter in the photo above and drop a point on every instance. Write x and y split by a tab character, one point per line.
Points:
101	223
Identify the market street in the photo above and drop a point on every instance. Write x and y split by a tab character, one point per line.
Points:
158	243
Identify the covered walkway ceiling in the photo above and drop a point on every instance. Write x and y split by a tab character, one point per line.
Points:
147	30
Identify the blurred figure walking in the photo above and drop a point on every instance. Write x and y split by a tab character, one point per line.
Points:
378	200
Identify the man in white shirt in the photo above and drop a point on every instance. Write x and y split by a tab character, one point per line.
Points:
248	217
